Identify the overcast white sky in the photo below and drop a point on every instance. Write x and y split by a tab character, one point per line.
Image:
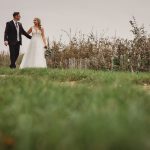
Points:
111	16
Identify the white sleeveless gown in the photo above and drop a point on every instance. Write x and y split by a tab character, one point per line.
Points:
34	57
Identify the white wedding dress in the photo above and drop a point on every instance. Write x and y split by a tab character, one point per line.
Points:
34	56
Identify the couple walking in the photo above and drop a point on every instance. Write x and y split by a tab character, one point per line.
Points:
34	56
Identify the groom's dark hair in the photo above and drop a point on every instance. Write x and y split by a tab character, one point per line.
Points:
16	14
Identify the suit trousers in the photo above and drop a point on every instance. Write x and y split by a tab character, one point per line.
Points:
14	53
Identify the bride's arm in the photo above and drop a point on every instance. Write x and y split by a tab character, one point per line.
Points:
29	31
43	37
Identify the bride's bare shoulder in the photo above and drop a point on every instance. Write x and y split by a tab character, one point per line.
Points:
42	29
30	30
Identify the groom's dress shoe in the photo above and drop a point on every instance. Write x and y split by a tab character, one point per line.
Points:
12	67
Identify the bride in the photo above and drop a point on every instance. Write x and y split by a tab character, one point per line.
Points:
34	57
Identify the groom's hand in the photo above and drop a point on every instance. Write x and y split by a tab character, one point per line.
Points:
6	43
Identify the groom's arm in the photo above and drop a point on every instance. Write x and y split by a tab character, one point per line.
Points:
25	33
6	32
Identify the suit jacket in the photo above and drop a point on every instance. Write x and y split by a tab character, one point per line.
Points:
10	34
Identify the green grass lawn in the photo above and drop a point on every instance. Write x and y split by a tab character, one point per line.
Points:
56	109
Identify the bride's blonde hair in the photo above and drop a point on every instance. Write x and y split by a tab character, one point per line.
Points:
39	23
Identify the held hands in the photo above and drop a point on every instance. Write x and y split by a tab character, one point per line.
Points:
6	43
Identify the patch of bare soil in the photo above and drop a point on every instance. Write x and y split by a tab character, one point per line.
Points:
3	76
69	83
146	87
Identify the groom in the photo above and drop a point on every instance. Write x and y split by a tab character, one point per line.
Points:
13	37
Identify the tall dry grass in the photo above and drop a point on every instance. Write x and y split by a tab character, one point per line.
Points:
94	52
90	51
5	59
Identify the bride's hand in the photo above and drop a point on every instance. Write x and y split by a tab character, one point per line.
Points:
45	46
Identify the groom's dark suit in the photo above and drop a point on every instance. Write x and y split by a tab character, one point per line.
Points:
14	39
